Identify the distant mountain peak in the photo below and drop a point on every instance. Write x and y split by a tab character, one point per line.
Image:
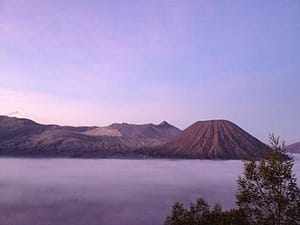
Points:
214	139
165	123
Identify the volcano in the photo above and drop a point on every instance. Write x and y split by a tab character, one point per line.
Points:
24	137
213	139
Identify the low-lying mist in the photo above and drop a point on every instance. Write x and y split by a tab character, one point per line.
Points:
110	191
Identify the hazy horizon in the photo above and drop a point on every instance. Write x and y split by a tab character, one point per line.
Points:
98	62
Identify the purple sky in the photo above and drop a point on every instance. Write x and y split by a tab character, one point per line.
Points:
98	62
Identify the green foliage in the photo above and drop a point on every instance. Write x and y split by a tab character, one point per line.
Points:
267	195
200	213
178	215
268	192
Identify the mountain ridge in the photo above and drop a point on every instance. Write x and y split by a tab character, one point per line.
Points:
26	137
294	148
211	139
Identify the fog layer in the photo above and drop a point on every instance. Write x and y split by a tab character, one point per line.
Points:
110	191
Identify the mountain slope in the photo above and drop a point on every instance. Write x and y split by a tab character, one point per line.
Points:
22	137
213	139
294	148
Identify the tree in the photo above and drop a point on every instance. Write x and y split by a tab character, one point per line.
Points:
200	213
267	191
197	214
267	195
178	215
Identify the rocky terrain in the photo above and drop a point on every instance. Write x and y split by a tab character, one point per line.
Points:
23	137
213	139
294	148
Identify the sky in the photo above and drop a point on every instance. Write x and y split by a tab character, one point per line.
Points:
138	61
